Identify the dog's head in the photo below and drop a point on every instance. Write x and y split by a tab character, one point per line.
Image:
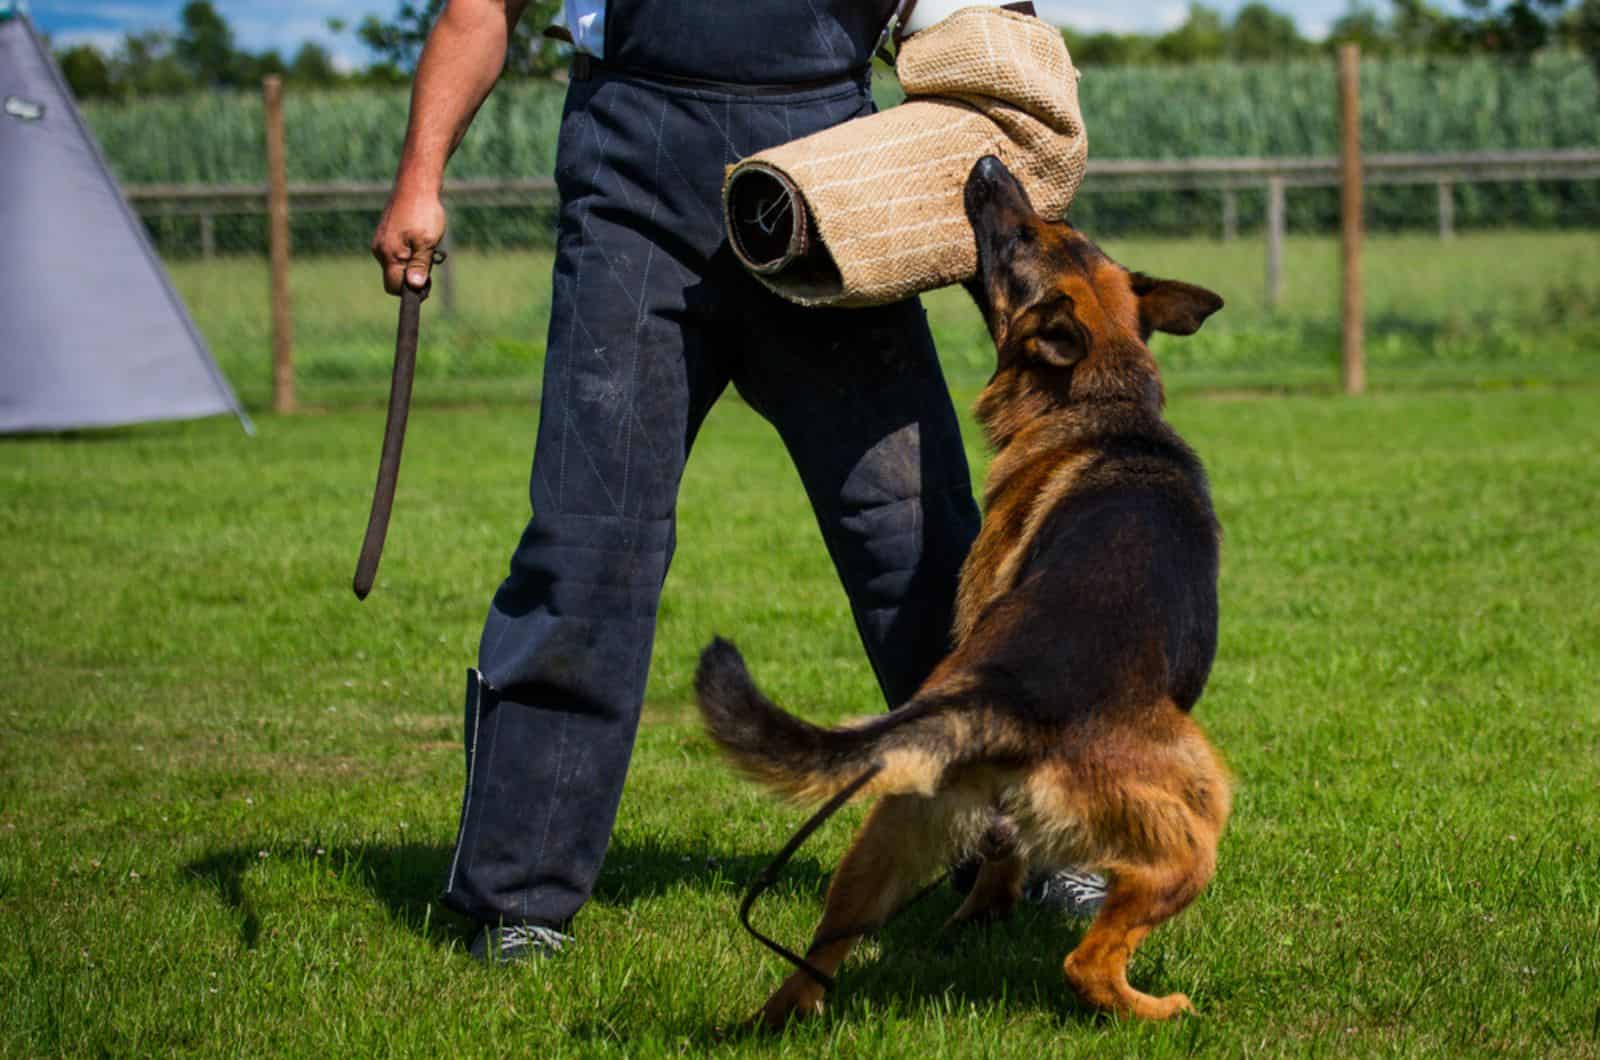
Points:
1066	319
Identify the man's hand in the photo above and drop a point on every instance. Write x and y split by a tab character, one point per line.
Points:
459	64
411	227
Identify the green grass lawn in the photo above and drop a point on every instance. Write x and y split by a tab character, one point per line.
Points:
228	790
1487	308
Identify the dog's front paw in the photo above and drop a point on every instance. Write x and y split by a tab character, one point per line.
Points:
1108	989
1164	1008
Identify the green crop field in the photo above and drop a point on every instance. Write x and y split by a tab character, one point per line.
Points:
228	791
1282	109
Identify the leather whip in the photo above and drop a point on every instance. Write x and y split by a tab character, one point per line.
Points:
394	431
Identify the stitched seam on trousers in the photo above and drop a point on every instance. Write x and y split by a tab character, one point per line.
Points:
577	270
485	656
622	550
466	799
640	318
494	738
611	518
642	584
555	796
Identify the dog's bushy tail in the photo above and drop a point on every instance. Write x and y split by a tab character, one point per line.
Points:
809	763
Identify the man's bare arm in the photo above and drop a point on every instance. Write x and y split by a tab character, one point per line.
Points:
459	65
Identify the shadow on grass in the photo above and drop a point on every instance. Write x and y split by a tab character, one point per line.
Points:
920	970
406	878
919	966
638	868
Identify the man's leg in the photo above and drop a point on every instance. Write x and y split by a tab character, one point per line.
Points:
566	646
860	400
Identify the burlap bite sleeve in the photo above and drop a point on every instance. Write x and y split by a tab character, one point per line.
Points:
871	211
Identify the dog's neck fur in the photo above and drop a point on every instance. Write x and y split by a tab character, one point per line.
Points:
1075	402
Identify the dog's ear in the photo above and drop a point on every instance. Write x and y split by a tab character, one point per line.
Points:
1058	350
1049	332
1172	306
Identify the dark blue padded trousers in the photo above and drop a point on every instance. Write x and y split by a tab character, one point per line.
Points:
651	319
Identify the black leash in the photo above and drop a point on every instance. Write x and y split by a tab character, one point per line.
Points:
769	876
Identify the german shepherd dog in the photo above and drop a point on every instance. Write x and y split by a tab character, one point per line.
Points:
1057	732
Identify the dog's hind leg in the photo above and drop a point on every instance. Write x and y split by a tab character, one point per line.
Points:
903	840
1148	802
1139	899
995	892
1162	842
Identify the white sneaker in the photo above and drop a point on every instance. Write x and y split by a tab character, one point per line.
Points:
515	943
1075	892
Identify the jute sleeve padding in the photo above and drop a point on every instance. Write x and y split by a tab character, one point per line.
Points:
875	204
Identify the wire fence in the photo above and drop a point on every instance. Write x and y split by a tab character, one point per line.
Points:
1509	151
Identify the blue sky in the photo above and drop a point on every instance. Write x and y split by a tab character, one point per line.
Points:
285	25
256	25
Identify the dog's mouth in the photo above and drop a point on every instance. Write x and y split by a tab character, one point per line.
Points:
998	208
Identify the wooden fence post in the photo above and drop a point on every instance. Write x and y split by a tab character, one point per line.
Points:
1275	227
208	236
1447	210
278	248
1230	215
1352	356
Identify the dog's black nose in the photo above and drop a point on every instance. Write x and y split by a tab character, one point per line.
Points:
992	187
986	177
990	170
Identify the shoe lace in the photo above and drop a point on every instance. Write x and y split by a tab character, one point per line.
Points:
536	935
1070	888
1080	886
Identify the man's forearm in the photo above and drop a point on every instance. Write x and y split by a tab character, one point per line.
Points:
459	65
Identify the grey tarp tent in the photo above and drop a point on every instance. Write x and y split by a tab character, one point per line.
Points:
92	333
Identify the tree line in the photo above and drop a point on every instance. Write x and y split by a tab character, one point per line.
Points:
203	54
1514	29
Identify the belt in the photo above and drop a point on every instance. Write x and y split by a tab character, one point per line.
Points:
585	67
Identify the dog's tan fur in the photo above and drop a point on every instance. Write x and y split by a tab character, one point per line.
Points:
1011	768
